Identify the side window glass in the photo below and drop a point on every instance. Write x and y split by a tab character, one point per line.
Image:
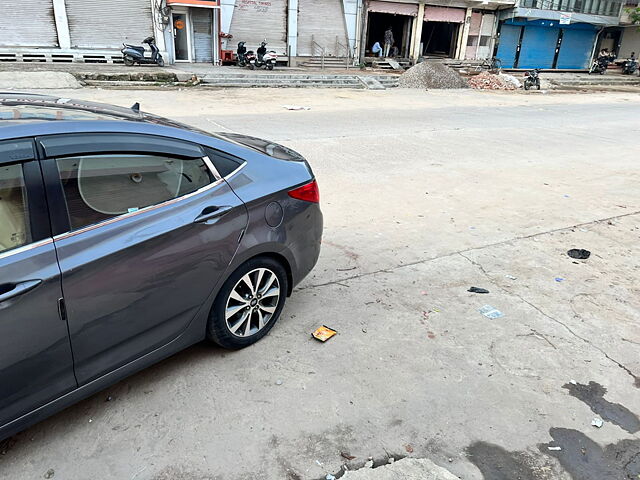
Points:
14	218
225	164
100	187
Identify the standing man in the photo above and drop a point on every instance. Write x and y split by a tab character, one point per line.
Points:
388	41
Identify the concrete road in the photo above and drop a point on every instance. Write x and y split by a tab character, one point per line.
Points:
425	194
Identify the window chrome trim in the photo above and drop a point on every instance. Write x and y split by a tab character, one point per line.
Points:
212	168
150	208
25	248
236	171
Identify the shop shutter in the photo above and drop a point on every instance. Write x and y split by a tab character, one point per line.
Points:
202	26
474	35
253	22
538	47
322	21
28	24
444	14
509	38
576	48
108	24
484	43
393	8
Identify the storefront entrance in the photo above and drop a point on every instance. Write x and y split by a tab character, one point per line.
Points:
441	30
195	37
397	16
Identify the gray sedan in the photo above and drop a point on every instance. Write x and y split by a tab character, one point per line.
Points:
126	237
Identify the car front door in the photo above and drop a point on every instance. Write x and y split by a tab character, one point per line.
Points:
36	365
148	230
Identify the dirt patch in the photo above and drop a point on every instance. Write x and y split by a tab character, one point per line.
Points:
431	75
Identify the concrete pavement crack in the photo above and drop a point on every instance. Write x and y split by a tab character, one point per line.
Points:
460	252
636	379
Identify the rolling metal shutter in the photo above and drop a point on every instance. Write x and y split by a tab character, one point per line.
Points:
252	23
393	8
28	24
538	47
108	24
444	14
509	38
322	21
474	35
486	34
202	27
576	47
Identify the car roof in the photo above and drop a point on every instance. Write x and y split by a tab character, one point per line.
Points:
27	114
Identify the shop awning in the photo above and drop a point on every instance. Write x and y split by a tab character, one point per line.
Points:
444	14
394	8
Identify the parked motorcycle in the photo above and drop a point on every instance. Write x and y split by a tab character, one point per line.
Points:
241	60
132	54
532	79
264	58
630	66
601	64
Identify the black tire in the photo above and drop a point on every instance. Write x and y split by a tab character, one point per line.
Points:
160	61
270	66
602	71
219	331
538	85
527	85
252	66
129	62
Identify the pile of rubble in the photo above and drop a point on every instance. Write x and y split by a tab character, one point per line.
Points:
431	75
491	81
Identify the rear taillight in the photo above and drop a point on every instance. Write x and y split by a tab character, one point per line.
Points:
308	192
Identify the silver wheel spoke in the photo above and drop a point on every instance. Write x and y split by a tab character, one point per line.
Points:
247	329
258	280
267	309
272	278
231	311
242	320
260	319
247	280
274	292
238	298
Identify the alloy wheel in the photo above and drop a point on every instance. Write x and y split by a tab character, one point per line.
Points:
252	302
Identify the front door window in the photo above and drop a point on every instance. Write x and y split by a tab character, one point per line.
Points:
180	36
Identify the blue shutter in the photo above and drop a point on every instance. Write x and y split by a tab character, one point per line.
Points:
509	37
576	47
538	47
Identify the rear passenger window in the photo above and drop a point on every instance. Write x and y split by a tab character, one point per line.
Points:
14	224
100	187
225	164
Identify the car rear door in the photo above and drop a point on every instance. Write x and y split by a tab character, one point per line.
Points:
148	230
35	355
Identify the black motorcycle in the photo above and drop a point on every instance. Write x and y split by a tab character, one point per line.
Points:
132	54
601	64
630	67
241	58
532	79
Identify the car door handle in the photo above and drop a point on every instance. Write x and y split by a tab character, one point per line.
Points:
209	213
11	290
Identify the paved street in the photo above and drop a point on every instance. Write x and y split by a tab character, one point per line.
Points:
425	194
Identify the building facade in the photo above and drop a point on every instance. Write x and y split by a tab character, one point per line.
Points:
551	34
555	34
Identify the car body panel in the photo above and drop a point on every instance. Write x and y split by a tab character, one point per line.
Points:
140	288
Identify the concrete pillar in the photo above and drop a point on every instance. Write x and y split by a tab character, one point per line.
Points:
292	29
462	38
350	9
62	25
416	34
226	15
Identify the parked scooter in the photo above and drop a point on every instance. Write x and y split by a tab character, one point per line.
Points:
264	58
241	60
133	54
630	66
532	79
